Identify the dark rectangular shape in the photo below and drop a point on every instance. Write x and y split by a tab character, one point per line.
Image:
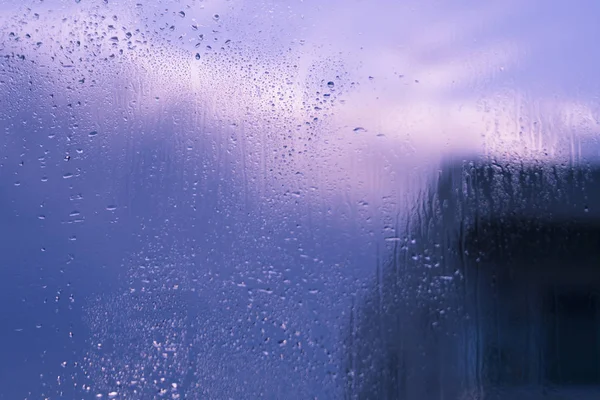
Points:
572	348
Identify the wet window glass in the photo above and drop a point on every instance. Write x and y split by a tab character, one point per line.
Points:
235	199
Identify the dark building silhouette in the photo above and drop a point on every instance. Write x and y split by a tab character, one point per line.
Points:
493	292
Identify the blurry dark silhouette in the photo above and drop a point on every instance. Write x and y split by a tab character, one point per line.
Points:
492	292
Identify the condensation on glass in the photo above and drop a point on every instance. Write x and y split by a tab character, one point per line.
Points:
495	297
240	199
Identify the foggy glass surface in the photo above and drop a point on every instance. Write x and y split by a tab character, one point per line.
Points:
232	199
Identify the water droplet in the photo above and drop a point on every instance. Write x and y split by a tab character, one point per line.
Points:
181	14
112	395
359	129
67	175
92	133
330	84
216	17
41	217
197	56
111	207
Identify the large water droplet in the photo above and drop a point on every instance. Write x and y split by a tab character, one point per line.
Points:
330	84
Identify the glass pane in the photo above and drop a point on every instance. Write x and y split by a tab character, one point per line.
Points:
232	199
